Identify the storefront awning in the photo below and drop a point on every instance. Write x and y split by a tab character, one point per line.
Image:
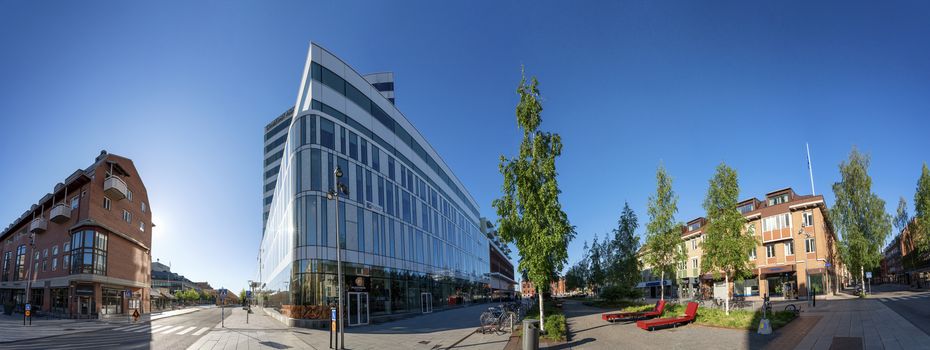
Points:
655	283
777	269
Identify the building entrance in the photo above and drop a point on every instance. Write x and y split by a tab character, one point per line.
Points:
358	308
426	302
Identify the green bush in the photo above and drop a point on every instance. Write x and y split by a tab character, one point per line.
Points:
615	293
556	328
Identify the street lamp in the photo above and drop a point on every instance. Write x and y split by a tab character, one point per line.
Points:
333	194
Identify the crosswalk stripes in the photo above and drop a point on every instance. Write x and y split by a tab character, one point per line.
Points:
164	329
169	330
904	298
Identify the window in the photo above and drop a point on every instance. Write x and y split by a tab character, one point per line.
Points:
694	244
141	226
327	133
44	265
65	248
7	260
65	262
770	250
129	195
55	264
45	253
143	207
127	216
694	263
19	271
789	248
74	202
779	199
810	245
106	203
342	140
807	218
694	226
353	145
375	158
364	152
743	209
752	253
89	252
777	222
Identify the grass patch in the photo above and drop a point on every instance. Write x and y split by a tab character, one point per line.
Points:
737	319
556	327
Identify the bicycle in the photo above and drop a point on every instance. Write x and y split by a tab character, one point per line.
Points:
497	317
793	308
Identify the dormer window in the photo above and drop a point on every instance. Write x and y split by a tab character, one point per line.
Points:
694	226
745	208
779	199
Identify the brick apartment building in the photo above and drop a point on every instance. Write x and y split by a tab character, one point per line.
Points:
556	288
78	250
798	249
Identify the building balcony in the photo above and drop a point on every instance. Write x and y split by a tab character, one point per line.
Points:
115	188
38	225
61	213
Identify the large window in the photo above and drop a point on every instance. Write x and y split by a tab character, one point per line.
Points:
777	222
89	252
783	198
327	133
770	250
19	272
7	260
789	248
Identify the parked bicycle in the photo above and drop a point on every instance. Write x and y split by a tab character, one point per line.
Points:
497	318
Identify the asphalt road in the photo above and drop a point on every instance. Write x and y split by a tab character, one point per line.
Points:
913	306
175	332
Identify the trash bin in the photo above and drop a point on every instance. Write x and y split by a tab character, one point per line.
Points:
530	334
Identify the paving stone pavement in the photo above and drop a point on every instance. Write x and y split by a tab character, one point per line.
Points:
453	329
877	325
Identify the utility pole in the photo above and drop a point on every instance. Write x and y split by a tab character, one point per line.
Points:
334	195
810	168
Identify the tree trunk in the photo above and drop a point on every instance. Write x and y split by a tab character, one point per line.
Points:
662	287
542	313
862	278
726	301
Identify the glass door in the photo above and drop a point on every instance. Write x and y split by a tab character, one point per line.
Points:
426	302
358	308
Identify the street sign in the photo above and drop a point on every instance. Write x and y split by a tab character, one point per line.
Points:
868	274
828	264
248	294
333	314
127	293
28	314
28	308
223	294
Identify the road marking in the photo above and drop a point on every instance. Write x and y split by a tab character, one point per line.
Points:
169	329
186	330
126	328
204	329
133	328
145	329
884	300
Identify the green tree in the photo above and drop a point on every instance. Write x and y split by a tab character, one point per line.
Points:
597	265
623	266
922	211
664	247
901	218
529	212
574	277
859	215
728	241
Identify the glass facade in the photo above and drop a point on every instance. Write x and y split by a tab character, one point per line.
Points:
89	252
406	240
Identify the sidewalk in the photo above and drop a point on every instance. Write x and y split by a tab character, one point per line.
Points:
860	320
439	330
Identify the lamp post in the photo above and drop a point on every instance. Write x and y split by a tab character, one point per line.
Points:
333	194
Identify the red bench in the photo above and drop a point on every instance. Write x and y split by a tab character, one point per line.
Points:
619	316
690	315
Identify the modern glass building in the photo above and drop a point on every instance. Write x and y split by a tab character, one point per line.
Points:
408	228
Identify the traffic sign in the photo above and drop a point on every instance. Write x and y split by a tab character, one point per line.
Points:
223	294
248	294
868	274
333	314
28	307
28	314
828	264
127	293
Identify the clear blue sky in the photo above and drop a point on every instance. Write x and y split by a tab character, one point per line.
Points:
185	88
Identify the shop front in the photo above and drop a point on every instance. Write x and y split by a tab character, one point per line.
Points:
780	281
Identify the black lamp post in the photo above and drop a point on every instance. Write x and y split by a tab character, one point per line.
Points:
333	194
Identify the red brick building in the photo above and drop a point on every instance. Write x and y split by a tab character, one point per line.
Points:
79	249
556	288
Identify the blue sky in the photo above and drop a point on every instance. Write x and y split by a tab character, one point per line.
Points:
185	89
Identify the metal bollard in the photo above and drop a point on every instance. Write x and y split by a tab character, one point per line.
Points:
530	334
